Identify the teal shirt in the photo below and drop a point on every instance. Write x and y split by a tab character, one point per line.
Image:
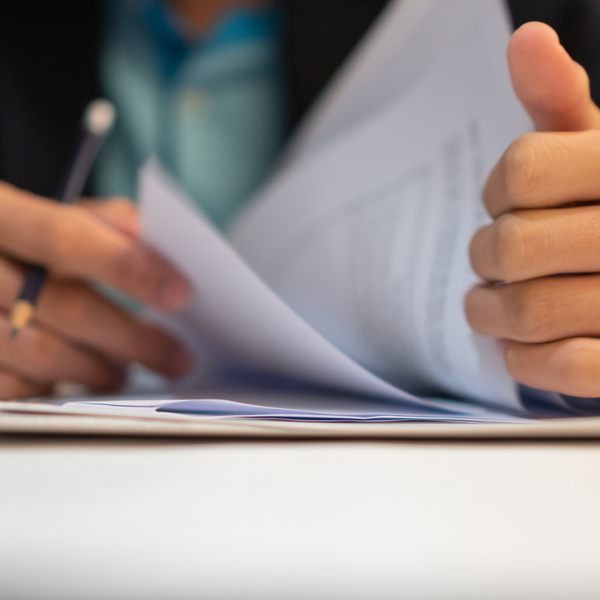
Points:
212	110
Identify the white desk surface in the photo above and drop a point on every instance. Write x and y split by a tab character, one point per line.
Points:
167	520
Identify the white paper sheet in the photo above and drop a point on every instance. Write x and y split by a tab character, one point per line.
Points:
233	314
362	238
407	39
366	237
267	406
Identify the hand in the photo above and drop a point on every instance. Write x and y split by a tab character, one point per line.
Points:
78	335
543	196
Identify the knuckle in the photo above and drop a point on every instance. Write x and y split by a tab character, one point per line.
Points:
121	202
72	304
42	352
514	362
525	167
568	367
482	254
471	306
476	306
509	247
116	206
530	315
579	367
62	237
101	376
139	270
474	251
12	387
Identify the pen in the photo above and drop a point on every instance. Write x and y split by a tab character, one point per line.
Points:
98	119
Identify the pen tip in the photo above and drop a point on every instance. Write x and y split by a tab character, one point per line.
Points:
20	316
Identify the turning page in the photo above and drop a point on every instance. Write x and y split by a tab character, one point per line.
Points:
366	235
351	266
234	316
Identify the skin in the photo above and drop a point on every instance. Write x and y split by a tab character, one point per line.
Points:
543	196
199	15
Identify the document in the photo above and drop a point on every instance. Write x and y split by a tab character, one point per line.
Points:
165	416
234	316
367	237
270	406
349	269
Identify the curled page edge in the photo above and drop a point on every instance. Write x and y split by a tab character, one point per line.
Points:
235	313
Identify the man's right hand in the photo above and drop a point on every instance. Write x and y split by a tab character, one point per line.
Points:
78	335
539	260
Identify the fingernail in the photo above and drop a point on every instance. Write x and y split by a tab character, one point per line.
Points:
180	362
175	293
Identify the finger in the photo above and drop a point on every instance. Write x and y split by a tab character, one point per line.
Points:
552	87
537	311
118	212
570	367
544	170
70	240
73	310
13	387
535	243
40	356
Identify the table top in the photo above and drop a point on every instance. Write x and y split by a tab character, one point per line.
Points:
91	518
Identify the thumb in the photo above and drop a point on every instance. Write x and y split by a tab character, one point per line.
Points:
552	87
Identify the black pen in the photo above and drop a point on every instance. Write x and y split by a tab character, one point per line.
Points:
97	122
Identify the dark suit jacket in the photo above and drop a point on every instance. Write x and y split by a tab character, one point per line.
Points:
49	56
